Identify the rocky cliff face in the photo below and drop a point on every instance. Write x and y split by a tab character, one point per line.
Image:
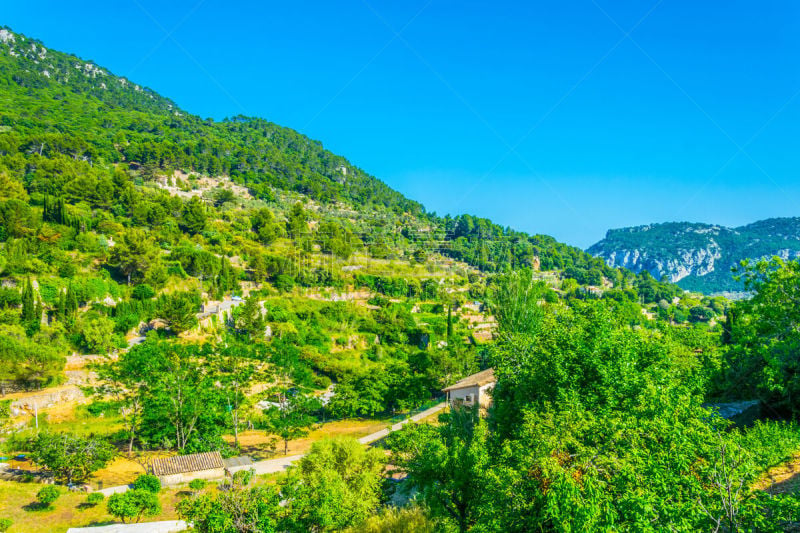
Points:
698	256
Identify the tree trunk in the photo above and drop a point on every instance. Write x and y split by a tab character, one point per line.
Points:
130	442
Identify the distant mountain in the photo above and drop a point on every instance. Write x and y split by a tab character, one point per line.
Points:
698	256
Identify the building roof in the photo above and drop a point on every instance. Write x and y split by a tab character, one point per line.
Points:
242	460
187	463
480	379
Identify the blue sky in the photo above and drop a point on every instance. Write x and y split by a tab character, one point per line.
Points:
566	118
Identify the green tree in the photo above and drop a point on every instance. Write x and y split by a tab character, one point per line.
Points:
71	458
297	223
446	464
135	254
292	418
764	336
265	226
97	332
179	309
249	319
336	485
194	216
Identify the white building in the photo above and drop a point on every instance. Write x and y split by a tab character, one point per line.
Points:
472	390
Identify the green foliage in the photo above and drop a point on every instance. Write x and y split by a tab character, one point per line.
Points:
143	291
96	331
197	484
5	524
173	398
234	510
292	418
409	519
71	459
47	495
336	485
132	505
147	482
517	302
95	498
446	464
37	360
763	336
179	310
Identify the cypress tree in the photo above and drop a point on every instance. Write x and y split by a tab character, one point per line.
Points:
28	305
449	321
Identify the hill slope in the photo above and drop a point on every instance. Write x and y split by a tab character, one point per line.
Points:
698	256
66	124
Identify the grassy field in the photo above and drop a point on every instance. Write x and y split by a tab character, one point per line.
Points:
70	510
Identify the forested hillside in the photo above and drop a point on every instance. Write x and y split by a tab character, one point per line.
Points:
171	285
697	256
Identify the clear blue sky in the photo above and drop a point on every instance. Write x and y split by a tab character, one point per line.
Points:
565	118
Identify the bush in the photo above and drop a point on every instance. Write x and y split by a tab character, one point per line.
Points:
143	292
243	477
5	523
95	498
47	495
134	504
147	482
197	484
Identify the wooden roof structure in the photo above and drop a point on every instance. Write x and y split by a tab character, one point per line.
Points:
480	379
180	464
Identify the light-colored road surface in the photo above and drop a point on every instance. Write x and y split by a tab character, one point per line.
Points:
168	526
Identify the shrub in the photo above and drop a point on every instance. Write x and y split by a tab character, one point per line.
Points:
143	292
148	482
5	523
243	477
197	484
134	504
95	498
47	495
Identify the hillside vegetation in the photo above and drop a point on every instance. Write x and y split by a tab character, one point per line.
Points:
233	287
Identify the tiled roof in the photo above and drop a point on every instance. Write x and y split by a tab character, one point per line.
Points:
481	378
187	463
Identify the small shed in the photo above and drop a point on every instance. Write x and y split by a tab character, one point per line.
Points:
472	390
184	468
236	464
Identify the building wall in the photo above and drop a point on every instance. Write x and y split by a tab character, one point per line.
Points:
467	396
186	477
470	395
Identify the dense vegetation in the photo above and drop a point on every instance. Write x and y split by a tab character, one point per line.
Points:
235	275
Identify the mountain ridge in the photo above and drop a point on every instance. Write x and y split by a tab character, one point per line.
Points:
695	255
